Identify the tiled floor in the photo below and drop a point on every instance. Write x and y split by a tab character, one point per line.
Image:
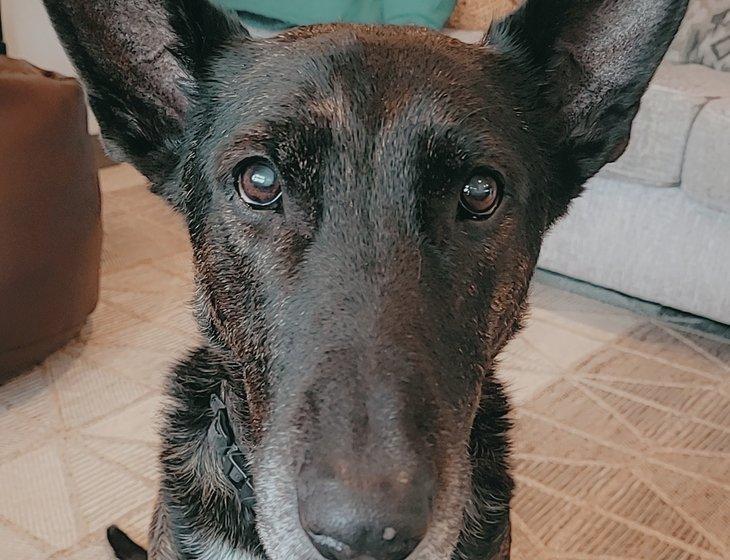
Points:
622	439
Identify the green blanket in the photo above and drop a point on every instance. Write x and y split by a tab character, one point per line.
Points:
431	13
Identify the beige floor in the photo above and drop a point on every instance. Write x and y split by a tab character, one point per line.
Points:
622	439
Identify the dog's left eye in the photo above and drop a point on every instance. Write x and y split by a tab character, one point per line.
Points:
258	185
481	196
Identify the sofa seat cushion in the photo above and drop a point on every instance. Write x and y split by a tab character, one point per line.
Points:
660	132
658	245
706	174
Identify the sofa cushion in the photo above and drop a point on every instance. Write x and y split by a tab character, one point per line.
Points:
706	174
661	129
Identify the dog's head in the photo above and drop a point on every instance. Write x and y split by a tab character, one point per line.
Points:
366	207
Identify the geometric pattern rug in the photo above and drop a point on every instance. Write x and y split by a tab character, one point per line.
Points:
622	422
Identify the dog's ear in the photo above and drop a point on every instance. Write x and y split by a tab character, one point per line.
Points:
594	60
140	60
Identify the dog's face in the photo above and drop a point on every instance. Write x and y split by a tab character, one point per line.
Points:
366	207
337	245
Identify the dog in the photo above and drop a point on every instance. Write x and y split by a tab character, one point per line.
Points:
366	207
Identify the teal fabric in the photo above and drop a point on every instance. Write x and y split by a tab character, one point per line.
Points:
430	13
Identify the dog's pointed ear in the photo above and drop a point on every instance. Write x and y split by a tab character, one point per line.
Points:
594	60
139	60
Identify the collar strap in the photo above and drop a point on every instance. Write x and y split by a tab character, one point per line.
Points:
230	454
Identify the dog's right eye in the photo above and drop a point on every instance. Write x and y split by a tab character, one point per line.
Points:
259	185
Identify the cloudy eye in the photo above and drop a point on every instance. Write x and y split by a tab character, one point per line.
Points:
259	185
481	195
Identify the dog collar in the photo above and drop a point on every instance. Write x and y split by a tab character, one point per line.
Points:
230	454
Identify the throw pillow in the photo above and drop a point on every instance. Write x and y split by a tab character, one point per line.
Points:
704	36
712	46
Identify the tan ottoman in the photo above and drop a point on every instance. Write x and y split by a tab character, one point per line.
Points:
50	223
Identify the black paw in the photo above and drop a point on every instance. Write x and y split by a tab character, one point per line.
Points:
124	547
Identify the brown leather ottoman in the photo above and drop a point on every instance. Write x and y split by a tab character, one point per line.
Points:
50	222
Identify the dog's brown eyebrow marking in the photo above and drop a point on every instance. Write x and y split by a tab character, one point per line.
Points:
333	107
252	143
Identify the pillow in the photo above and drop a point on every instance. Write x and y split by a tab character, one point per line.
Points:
712	47
704	36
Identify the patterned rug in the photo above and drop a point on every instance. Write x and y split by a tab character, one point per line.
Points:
622	439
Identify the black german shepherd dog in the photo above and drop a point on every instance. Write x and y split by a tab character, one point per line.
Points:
366	206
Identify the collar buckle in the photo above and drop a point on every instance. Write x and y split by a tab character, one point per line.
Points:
232	458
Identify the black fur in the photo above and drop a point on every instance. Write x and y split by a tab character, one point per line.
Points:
360	323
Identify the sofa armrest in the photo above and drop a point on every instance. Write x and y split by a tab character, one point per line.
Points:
706	172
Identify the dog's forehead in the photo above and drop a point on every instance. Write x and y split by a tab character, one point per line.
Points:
327	70
394	95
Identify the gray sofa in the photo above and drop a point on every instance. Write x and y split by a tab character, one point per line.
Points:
656	224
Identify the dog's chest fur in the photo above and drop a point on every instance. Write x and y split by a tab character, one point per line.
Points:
220	550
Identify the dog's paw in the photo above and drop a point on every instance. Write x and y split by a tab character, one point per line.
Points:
124	547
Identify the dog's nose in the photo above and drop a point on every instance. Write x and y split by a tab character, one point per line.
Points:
366	517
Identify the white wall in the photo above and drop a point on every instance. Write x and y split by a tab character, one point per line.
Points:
29	35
